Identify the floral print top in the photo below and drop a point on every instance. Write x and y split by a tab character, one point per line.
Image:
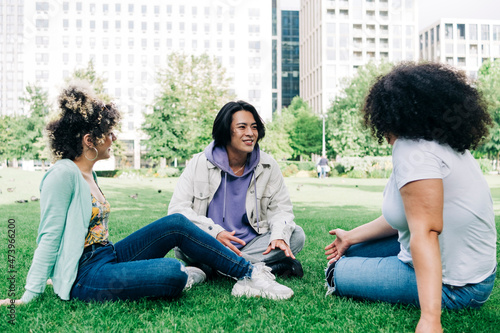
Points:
98	227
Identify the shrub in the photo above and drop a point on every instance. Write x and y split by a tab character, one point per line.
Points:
289	170
485	165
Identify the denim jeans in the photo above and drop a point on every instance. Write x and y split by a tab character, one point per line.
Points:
135	267
254	249
373	272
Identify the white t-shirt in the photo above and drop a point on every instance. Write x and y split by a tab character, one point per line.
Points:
468	239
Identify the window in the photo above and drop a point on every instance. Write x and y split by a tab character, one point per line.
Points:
131	25
344	13
473	31
144	9
181	10
92	25
169	9
130	8
144	26
65	24
194	27
41	23
485	32
105	8
78	24
78	6
496	32
118	25
194	11
118	8
448	31
461	31
42	6
105	25
130	43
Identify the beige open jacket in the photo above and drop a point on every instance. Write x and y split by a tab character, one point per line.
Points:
201	179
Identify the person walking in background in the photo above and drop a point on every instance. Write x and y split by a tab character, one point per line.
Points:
236	193
435	244
323	167
74	248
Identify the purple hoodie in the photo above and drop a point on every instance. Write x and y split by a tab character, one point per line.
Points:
227	207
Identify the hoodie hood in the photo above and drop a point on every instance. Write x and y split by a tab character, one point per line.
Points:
217	155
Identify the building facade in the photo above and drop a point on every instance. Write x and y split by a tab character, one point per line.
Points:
12	35
338	36
464	43
44	42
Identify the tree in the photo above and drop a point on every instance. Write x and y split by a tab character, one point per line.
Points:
306	136
489	85
346	133
90	75
192	90
28	141
277	139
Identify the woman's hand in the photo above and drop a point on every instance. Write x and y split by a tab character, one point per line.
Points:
8	301
429	325
338	247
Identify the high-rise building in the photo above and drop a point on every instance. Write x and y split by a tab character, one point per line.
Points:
12	55
43	42
464	43
285	48
338	36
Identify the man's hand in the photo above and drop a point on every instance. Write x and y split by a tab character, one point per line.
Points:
280	244
225	237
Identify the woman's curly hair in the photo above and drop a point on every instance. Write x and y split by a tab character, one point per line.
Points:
81	113
427	101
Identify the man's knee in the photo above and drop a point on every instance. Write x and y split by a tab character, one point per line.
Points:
297	240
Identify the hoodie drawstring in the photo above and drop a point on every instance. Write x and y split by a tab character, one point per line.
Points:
256	203
224	204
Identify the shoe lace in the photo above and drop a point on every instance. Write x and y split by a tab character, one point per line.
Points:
264	272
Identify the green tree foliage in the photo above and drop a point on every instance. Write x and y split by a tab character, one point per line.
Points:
306	136
192	90
27	139
90	75
277	139
6	136
296	132
489	85
346	133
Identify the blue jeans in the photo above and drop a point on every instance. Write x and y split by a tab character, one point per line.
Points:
254	249
135	267
373	272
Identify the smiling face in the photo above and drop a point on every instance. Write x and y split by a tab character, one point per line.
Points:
244	133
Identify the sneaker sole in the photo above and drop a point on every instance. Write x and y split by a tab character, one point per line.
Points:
252	292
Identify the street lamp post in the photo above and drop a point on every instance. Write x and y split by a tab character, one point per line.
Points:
324	116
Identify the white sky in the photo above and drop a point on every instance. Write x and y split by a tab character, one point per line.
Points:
432	10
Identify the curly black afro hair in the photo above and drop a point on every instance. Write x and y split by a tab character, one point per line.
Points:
81	113
427	101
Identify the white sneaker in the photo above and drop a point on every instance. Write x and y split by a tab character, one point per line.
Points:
195	276
261	284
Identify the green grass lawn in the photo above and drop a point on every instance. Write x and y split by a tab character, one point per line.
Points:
319	205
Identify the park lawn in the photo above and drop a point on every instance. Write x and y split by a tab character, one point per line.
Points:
319	205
